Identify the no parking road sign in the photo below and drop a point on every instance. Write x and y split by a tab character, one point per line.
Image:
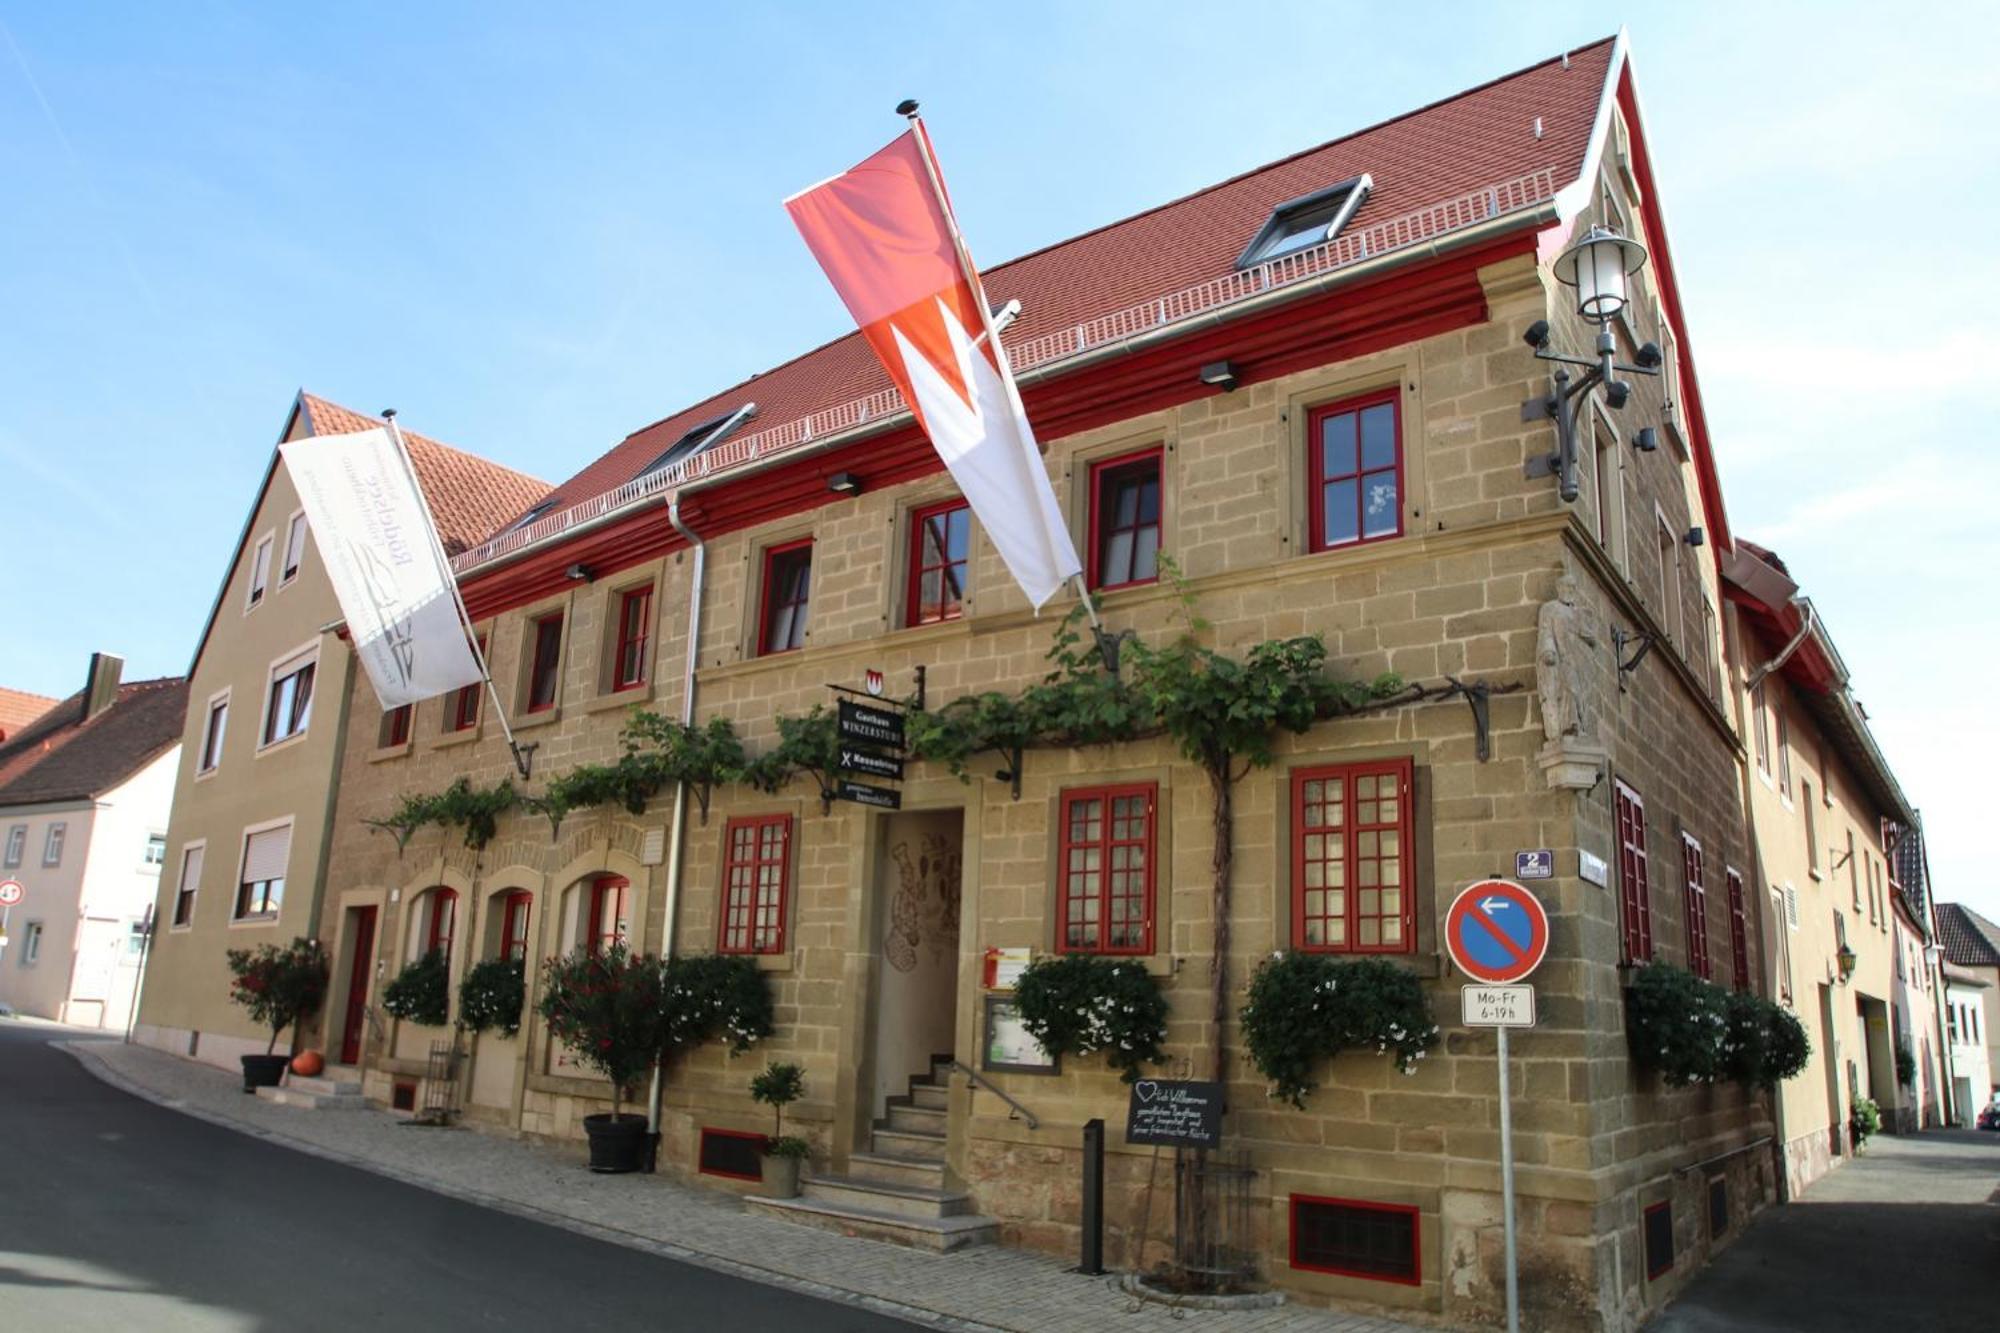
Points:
1496	931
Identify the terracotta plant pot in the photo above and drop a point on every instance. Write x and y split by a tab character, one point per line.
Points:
781	1177
617	1143
308	1064
263	1071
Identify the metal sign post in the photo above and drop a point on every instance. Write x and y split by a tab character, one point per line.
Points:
1497	932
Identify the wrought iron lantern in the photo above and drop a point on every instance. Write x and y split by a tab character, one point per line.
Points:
1597	266
1844	957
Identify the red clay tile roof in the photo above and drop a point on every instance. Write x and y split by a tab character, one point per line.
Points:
469	497
18	708
1969	939
55	758
1478	138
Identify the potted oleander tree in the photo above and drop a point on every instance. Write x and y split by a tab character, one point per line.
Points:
604	1004
280	986
777	1087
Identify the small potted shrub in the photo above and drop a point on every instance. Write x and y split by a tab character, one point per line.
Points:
1864	1121
420	992
605	1006
778	1087
279	986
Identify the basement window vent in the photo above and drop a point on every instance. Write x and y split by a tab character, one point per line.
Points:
732	1153
1356	1238
1306	221
1718	1207
403	1096
1659	1229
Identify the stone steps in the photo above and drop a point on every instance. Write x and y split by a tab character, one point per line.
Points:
891	1169
317	1094
923	1233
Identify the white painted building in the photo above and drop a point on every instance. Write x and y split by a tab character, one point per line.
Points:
85	791
1967	996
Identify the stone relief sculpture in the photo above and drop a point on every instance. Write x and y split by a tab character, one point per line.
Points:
1567	639
925	905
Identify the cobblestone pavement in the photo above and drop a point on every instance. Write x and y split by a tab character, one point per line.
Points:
990	1287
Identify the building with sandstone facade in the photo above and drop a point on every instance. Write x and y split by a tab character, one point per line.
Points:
1306	385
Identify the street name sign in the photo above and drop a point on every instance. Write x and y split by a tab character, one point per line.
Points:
1496	931
1498	1006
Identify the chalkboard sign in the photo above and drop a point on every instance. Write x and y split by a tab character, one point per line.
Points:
1175	1112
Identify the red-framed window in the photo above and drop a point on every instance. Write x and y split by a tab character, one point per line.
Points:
635	621
1357	1238
610	920
1635	903
396	726
440	916
514	911
940	547
787	592
211	738
289	708
1355	461
545	667
1739	930
1694	905
1352	836
462	705
737	1154
1125	519
1106	866
756	870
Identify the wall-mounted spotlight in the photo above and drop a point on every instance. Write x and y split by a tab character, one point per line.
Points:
580	573
1219	375
1695	536
1647	440
1597	266
844	483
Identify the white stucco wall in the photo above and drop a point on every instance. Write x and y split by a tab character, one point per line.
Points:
1972	1071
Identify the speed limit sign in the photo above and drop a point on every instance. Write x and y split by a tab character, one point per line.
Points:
11	892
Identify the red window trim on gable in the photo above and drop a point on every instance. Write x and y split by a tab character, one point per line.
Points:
463	714
1107	846
1106	470
1694	906
1739	929
440	917
635	616
515	910
615	892
1635	908
1318	480
752	919
1350	836
544	671
767	617
950	603
1411	1211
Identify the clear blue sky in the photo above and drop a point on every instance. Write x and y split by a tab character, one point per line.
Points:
535	228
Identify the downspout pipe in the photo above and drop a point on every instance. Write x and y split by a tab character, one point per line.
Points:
1807	623
678	840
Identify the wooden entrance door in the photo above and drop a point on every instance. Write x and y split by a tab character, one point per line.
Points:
353	1026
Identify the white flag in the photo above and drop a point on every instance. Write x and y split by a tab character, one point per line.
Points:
373	532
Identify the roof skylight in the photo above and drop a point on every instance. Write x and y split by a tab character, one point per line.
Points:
1306	221
686	444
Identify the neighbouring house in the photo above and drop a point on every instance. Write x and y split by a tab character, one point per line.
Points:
1972	951
264	739
1306	385
1972	1085
84	793
18	708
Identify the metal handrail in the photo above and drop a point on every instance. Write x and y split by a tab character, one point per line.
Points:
1352	247
980	1080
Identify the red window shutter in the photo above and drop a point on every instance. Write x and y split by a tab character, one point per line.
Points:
1353	852
1739	931
756	872
1354	459
1107	870
1635	902
1695	906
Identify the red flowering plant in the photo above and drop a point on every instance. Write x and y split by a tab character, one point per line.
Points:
279	986
605	1005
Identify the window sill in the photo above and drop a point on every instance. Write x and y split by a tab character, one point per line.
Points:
453	738
282	743
541	717
1676	435
625	698
384	752
251	922
180	930
207	773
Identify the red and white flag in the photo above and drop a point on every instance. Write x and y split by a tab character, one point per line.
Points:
885	237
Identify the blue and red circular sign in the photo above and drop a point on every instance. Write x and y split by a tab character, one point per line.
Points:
1496	931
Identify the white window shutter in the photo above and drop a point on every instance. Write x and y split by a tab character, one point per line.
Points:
191	869
265	856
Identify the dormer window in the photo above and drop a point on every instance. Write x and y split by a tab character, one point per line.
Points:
1307	221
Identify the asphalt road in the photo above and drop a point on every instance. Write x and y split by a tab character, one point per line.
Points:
119	1214
1905	1236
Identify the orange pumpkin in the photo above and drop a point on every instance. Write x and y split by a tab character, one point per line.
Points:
308	1064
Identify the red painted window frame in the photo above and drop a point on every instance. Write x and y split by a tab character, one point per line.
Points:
515	911
766	608
396	726
706	1130
1404	772
211	738
1105	843
1415	1214
742	937
545	667
298	716
628	665
1635	903
596	937
440	921
1103	470
915	612
1694	906
463	714
1318	480
1739	928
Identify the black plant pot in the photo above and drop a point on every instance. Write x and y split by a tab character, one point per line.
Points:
263	1071
617	1143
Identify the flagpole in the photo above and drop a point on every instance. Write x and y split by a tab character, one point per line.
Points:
908	110
522	761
